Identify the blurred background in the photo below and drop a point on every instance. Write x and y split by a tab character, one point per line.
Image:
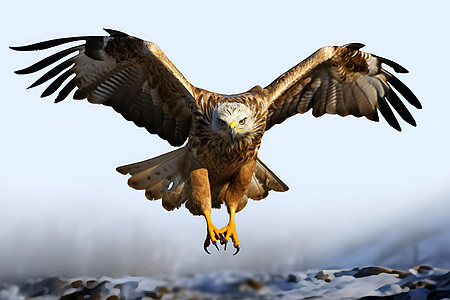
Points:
360	193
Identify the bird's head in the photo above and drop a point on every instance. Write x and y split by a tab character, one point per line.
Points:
232	119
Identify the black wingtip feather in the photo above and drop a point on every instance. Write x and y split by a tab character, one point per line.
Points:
398	105
397	67
387	113
354	46
47	44
404	90
52	73
48	61
56	83
115	33
65	91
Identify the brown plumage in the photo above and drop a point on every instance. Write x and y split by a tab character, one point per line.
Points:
219	163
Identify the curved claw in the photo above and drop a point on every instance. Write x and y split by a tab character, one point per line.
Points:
207	243
238	248
215	244
205	246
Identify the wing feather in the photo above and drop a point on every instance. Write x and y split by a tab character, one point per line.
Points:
343	81
350	101
320	98
362	101
341	109
129	74
48	60
56	84
387	113
331	103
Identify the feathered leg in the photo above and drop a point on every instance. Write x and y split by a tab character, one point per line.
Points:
201	196
235	193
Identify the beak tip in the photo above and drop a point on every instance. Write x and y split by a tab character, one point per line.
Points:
232	134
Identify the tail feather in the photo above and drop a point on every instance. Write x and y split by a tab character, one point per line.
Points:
152	162
163	177
174	194
263	181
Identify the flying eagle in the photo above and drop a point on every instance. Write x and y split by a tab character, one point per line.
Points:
219	162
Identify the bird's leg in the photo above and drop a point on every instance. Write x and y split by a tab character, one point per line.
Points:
234	199
212	233
201	196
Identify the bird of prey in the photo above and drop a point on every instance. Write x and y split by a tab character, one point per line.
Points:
219	162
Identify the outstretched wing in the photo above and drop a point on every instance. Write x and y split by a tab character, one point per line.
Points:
129	74
343	81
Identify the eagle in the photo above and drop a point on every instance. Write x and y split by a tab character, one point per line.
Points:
218	135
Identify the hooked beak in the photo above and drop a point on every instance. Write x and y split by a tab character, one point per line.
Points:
232	130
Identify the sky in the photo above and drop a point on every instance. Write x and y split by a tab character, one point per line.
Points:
353	183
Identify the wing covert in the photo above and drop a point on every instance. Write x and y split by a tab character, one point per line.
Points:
129	74
343	81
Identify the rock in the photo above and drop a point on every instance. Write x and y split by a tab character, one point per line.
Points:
419	284
423	268
292	278
77	284
369	271
93	290
162	290
47	286
253	283
322	276
152	294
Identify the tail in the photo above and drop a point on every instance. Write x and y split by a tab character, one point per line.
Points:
263	181
163	177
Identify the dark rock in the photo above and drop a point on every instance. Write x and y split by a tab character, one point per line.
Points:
152	294
419	284
292	278
369	271
423	268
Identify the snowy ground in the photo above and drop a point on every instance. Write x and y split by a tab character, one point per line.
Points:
421	282
335	271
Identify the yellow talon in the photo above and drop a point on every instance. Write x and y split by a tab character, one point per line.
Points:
229	231
212	234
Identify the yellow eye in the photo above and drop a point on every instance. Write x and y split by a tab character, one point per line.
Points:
222	122
242	122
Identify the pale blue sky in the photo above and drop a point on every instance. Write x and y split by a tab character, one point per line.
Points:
58	187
